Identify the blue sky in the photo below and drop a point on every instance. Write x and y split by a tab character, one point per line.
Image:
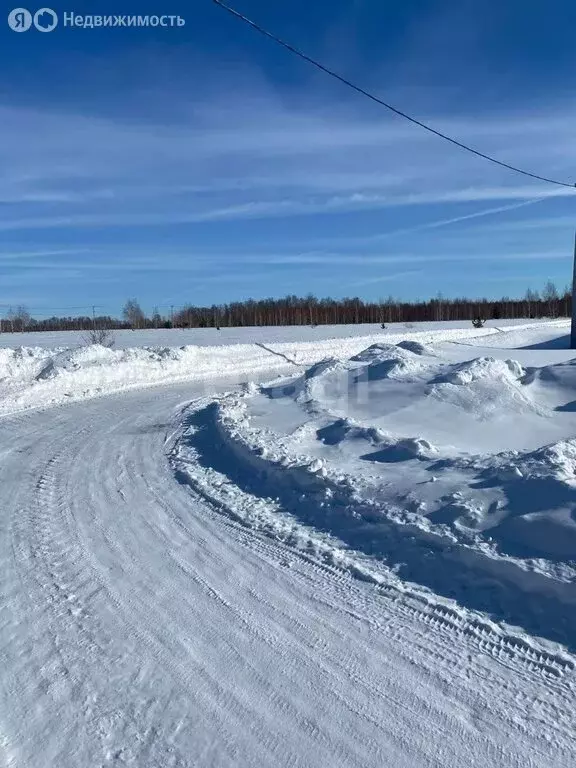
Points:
203	164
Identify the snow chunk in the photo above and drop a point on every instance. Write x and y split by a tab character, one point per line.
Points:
345	429
482	368
416	347
375	351
391	361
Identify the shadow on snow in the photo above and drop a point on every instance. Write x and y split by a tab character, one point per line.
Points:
477	581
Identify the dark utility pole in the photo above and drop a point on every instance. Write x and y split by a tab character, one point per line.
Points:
573	328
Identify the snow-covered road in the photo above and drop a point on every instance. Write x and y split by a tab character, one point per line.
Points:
140	626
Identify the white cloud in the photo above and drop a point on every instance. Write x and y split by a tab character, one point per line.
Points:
73	171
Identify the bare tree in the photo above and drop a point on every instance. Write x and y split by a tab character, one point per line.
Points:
438	305
22	317
550	296
531	298
102	336
18	319
10	315
567	300
133	314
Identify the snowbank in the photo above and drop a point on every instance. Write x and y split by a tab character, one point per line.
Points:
37	377
457	476
318	507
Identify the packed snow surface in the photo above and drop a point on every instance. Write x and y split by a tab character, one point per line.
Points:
354	551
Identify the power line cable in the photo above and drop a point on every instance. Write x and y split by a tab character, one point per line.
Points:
382	103
50	309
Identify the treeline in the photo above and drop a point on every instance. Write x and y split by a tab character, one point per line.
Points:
309	310
293	310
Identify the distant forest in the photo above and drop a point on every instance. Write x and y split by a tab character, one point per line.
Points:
308	310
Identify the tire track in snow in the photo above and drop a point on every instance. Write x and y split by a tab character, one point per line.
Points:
409	606
199	621
50	558
216	451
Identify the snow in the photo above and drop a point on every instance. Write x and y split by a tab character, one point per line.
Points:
38	376
210	337
476	455
356	550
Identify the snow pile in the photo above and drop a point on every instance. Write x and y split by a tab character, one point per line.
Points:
345	388
395	362
413	459
489	390
380	350
36	376
384	531
557	460
32	377
23	362
481	369
304	388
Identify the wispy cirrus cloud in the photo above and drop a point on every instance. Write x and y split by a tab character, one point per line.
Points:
65	170
288	193
286	208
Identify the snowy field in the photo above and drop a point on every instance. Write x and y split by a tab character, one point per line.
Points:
355	549
209	337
